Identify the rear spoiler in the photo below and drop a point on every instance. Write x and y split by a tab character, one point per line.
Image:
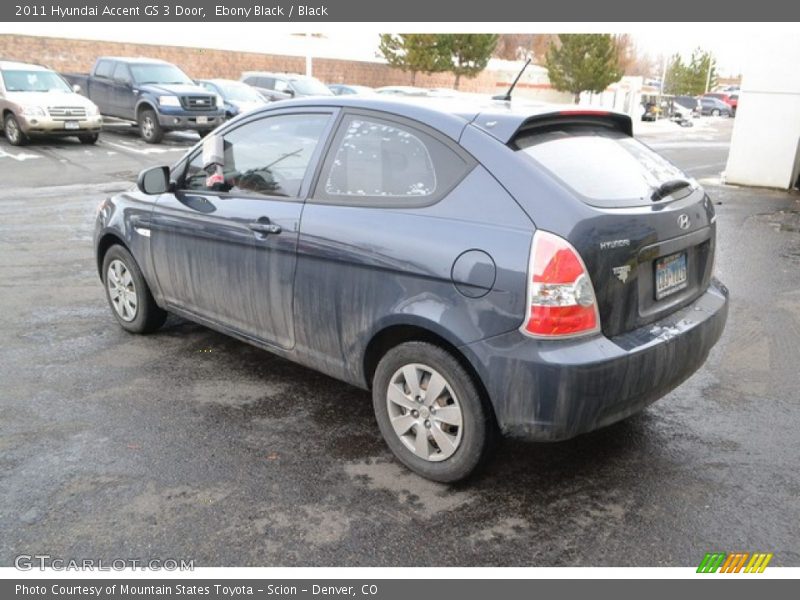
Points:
613	120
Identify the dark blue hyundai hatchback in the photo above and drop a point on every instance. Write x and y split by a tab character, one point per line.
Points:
520	269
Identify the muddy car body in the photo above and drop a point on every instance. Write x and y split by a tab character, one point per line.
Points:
521	269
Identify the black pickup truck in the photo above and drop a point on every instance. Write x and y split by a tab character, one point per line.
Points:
157	95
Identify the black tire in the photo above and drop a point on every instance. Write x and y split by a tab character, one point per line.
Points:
89	138
204	132
715	112
149	127
14	135
148	316
479	432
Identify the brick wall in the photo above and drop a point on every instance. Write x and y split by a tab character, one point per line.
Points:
78	56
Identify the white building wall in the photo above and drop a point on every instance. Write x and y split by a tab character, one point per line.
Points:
765	147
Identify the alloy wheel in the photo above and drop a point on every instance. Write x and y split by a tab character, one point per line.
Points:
424	412
122	290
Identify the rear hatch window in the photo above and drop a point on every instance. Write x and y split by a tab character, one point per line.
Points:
604	167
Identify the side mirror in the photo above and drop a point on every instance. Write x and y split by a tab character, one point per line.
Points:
76	88
154	180
289	92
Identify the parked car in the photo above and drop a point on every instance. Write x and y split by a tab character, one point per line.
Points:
534	271
714	107
689	103
731	99
282	86
402	90
36	101
156	95
649	111
237	97
342	89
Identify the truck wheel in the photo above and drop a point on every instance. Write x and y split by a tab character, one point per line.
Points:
14	134
90	138
127	293
204	132
149	127
431	413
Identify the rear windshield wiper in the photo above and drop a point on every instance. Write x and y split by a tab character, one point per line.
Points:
668	187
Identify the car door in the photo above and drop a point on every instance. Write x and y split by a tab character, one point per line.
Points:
226	252
122	97
100	86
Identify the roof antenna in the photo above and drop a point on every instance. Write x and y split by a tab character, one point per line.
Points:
507	96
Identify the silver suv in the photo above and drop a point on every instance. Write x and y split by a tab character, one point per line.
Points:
35	100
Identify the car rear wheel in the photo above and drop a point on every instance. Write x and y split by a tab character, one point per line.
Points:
204	132
149	127
128	294
90	138
431	413
14	134
715	112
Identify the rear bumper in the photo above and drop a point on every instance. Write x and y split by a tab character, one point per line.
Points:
555	390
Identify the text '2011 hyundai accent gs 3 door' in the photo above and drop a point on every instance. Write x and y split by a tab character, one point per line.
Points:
482	269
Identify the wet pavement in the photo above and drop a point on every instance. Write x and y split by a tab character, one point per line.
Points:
187	444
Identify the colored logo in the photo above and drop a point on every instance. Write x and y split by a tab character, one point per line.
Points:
738	562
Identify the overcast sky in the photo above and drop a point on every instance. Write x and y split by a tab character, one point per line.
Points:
730	43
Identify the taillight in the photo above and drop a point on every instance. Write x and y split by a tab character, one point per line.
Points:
561	300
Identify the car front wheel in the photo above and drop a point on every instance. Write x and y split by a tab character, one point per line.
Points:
128	294
715	113
14	134
149	127
431	413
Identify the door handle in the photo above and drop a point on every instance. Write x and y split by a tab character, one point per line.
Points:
264	226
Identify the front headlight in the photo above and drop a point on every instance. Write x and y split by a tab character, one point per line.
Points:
169	101
33	111
220	101
92	111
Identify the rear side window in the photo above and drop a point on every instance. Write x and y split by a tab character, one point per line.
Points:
104	69
603	166
373	161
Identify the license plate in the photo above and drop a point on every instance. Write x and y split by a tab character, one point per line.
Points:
71	125
671	274
202	120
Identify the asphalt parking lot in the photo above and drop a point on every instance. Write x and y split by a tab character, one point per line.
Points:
188	444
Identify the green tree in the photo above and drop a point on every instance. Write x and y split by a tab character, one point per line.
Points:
583	62
466	54
701	71
675	81
413	52
690	79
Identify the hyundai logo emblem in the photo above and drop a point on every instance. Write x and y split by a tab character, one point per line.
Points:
683	221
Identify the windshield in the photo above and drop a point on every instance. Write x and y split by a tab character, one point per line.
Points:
607	168
156	73
239	92
308	86
34	81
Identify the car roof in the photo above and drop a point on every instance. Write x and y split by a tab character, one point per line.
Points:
451	115
271	74
135	60
12	64
223	81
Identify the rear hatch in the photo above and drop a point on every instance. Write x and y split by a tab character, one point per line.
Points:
644	229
